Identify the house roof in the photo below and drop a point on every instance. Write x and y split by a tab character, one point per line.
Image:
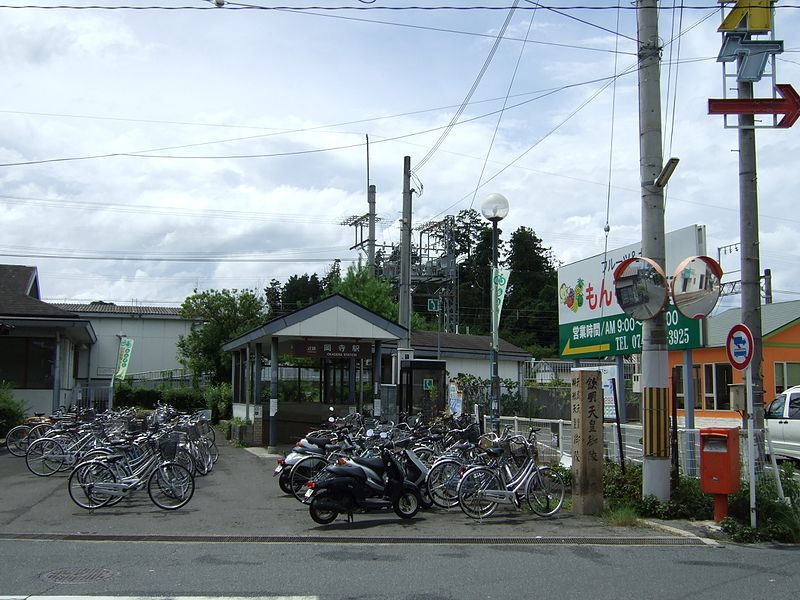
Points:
109	308
455	344
20	306
19	295
331	317
774	318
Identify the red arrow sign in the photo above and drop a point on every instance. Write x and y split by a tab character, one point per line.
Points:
788	106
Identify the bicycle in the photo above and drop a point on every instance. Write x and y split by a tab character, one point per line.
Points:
482	488
105	481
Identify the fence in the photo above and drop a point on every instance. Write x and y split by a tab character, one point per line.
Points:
96	397
554	440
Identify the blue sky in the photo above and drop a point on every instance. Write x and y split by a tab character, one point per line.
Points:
198	90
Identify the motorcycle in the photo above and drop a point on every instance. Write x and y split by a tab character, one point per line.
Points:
365	484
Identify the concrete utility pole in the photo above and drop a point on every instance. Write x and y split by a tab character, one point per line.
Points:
750	261
655	364
404	317
371	240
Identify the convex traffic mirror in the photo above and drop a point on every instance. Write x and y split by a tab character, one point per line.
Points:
641	288
696	286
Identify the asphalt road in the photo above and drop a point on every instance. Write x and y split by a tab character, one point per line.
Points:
239	536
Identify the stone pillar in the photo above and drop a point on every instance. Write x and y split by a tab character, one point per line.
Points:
587	443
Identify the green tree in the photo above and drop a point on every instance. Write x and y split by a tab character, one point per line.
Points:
218	316
373	293
530	310
301	291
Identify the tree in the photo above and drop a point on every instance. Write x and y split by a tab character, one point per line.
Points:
301	291
530	310
218	316
274	300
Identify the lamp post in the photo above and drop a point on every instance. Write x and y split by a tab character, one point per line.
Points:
494	209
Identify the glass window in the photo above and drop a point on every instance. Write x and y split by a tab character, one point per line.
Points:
794	406
27	363
775	409
677	385
792	374
724	374
780	377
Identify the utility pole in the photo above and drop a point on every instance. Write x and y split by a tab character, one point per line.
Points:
748	234
371	226
655	364
404	318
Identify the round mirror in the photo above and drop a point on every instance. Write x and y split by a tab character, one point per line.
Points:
696	286
331	419
384	435
370	432
641	288
330	409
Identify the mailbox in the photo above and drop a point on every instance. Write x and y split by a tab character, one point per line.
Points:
719	460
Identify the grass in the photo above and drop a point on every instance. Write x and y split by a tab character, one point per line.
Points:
621	516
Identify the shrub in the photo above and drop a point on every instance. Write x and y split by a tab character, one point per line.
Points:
12	411
184	399
219	399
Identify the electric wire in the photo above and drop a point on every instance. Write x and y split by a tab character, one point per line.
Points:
421	163
607	227
502	110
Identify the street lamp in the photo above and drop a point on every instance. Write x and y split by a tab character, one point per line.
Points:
494	209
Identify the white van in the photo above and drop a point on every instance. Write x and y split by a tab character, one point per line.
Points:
782	421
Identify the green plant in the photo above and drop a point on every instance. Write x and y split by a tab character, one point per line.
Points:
219	399
623	515
12	410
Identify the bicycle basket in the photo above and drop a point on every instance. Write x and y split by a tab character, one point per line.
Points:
518	448
485	442
203	427
168	447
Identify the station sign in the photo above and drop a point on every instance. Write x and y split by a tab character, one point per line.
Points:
591	323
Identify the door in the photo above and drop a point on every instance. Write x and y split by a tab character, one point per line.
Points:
791	426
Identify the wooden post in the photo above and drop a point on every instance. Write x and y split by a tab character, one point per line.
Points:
587	443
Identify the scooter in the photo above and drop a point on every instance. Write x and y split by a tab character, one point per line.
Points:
365	484
310	445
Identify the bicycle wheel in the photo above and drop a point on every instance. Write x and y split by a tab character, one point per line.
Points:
303	471
44	457
38	431
170	486
85	484
17	440
202	459
213	451
545	493
184	457
471	492
442	483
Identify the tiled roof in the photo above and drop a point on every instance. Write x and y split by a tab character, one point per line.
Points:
19	295
460	341
114	309
773	318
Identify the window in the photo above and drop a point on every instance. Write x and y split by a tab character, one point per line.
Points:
678	385
716	379
787	374
794	407
27	363
775	409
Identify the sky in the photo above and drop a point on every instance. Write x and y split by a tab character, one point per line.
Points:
148	153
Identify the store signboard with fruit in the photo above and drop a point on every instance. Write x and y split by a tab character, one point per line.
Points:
591	322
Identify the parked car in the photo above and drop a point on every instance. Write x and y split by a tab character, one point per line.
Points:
782	421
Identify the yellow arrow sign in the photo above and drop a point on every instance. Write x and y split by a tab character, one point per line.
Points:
749	15
598	348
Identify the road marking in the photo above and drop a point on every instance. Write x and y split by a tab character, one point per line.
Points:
161	597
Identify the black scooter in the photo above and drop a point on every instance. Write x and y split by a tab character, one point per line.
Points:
362	484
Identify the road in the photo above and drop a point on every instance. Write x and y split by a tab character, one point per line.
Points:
240	537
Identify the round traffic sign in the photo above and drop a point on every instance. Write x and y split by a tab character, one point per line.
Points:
739	346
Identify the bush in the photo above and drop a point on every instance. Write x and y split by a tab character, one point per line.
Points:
12	411
219	399
184	399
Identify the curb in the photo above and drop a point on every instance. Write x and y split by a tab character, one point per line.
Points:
680	532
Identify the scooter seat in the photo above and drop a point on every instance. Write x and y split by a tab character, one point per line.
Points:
347	471
376	464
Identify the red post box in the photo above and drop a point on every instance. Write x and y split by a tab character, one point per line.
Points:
720	472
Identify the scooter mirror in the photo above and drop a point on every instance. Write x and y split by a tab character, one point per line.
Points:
370	432
331	419
384	435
